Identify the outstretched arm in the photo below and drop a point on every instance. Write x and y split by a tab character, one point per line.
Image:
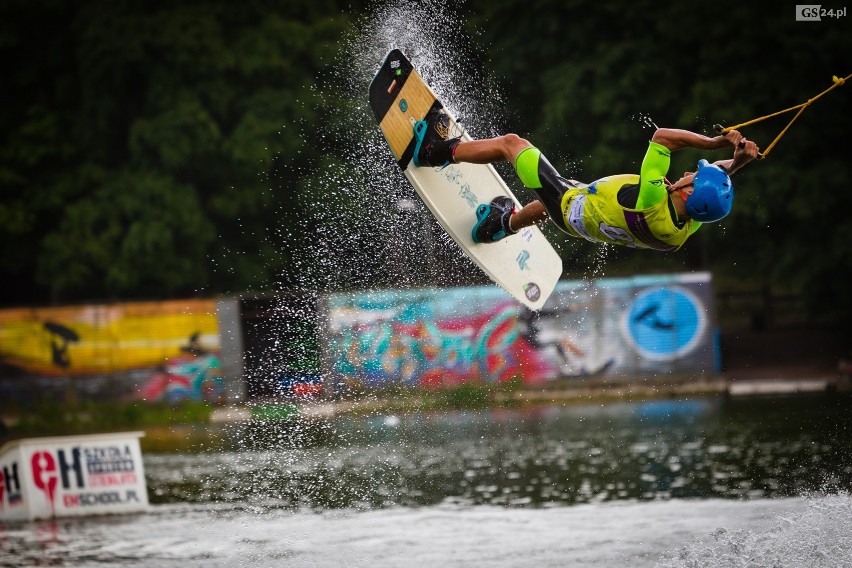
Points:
744	150
677	139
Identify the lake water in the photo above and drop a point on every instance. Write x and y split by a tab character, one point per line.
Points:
696	482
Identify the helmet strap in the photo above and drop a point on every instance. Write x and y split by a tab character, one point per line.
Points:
671	189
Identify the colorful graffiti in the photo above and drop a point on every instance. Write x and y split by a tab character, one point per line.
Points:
307	386
422	338
190	377
174	343
426	351
447	337
630	327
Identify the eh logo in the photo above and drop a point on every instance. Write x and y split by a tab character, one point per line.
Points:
46	472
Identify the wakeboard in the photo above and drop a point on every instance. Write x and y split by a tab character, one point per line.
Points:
525	264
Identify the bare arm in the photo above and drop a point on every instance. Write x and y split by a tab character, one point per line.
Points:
744	152
677	139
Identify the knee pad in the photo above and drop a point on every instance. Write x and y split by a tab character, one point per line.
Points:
537	173
526	164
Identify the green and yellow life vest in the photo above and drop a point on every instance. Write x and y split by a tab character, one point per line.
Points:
594	213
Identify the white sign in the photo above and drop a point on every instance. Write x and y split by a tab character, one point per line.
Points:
43	478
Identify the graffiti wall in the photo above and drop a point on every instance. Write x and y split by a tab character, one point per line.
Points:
632	327
168	350
608	327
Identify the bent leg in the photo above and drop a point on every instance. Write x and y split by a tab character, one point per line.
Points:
534	170
502	148
530	214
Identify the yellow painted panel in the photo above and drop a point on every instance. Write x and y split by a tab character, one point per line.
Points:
105	338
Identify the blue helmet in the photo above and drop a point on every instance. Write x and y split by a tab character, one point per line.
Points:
713	194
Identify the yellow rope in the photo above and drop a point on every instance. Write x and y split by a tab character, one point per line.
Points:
836	82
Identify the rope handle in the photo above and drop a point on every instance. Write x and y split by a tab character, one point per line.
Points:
836	82
722	130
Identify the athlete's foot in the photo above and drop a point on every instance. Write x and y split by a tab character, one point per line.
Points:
494	220
432	148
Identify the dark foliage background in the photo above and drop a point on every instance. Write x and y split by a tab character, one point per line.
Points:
145	150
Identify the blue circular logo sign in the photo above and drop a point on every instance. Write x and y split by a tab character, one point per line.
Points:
664	323
403	105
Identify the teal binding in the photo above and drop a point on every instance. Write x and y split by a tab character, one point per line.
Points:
420	128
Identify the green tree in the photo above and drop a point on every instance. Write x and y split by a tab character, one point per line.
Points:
162	148
144	147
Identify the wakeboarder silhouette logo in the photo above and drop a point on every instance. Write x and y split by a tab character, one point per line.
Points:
664	323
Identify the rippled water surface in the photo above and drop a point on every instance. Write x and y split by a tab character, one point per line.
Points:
668	484
548	456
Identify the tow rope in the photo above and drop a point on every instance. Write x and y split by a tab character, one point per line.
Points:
801	107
